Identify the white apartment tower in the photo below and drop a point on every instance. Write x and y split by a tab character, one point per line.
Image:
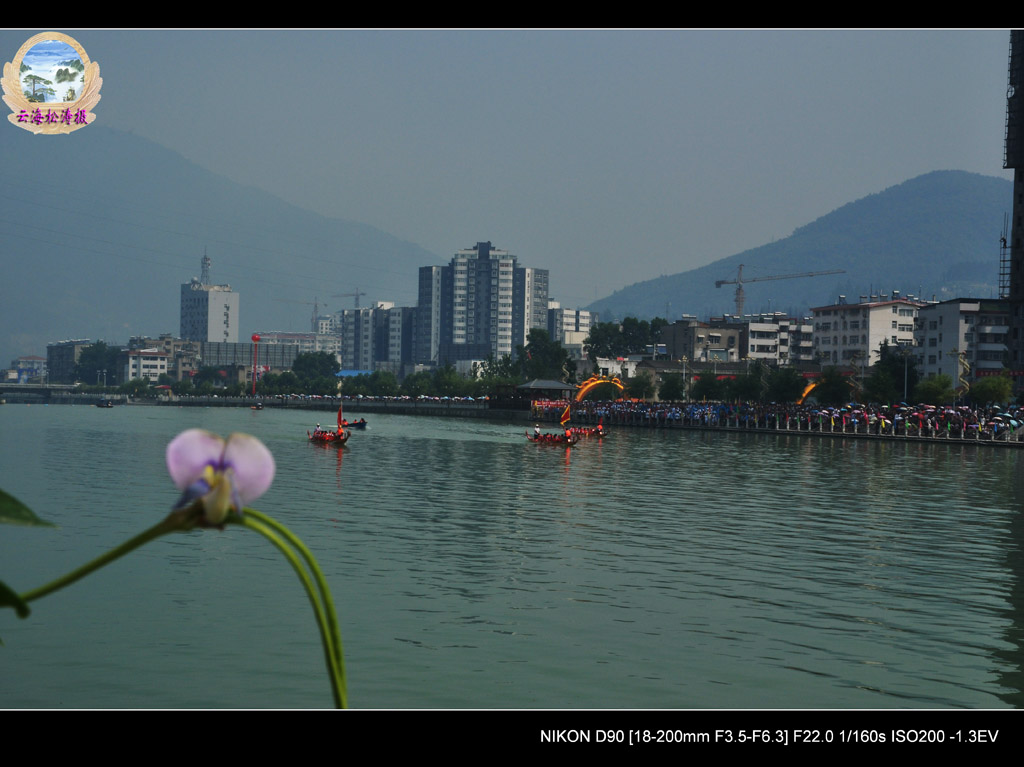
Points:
482	304
208	312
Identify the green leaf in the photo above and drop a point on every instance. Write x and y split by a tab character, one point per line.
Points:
8	598
14	512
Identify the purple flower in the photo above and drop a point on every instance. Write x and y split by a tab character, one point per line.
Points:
223	476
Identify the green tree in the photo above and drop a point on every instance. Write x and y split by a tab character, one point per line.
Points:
40	88
446	382
324	386
311	365
641	385
748	387
899	366
937	390
383	383
991	389
137	387
544	358
417	384
636	335
504	368
671	389
833	387
94	360
604	340
880	387
288	383
266	386
785	384
707	386
182	387
657	324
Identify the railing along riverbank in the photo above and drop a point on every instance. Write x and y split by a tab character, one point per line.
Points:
749	422
787	423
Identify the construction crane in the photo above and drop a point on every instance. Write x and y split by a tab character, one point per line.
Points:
349	295
316	309
738	282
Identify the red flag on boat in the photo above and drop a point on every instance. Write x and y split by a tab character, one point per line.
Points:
565	416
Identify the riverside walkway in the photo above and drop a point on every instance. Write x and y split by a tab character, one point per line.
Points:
976	426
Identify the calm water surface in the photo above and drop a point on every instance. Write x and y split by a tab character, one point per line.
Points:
472	569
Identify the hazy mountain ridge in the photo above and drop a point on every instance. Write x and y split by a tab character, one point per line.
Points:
935	234
99	229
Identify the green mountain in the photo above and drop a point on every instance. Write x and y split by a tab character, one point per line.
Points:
934	235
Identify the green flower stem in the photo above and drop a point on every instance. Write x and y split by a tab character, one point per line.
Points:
326	634
182	519
325	592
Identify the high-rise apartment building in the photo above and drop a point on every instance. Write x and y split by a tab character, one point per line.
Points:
483	303
209	313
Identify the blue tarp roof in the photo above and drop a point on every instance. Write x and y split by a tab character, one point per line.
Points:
351	373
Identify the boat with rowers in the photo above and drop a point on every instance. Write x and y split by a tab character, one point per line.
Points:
589	431
553	439
328	437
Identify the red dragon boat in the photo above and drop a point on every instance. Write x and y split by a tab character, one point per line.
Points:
554	439
589	431
327	437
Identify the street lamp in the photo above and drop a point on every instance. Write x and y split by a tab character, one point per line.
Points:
906	350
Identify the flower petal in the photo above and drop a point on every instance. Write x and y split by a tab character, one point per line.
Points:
252	464
190	453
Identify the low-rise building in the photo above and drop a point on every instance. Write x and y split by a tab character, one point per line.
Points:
717	340
182	355
147	364
853	334
61	358
30	368
570	328
777	339
975	328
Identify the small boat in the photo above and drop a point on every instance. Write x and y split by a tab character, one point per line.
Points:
360	424
257	406
336	438
553	439
327	437
105	403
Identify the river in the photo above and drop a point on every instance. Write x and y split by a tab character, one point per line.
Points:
653	569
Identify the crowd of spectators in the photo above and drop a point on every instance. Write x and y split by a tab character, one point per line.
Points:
902	420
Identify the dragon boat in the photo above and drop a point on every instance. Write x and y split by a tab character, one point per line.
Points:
328	437
554	439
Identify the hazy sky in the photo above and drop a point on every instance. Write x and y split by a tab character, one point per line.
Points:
608	157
